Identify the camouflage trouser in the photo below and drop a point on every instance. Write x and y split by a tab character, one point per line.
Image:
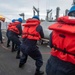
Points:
56	66
33	52
15	40
1	36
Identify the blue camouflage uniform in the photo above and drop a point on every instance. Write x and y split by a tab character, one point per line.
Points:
15	39
29	48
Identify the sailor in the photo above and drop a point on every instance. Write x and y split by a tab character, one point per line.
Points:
31	33
62	42
1	21
8	40
15	30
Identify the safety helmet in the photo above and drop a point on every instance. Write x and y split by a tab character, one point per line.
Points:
72	9
13	20
20	19
36	17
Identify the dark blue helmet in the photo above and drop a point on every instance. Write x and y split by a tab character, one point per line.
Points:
20	19
36	17
13	20
72	9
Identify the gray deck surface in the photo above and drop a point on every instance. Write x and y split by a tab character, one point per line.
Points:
9	64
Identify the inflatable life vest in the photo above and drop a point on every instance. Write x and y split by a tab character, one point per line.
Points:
63	39
12	27
29	30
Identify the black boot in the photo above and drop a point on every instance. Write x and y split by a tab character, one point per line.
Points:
13	50
18	56
39	73
21	65
8	45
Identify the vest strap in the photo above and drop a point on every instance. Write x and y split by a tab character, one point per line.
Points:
63	50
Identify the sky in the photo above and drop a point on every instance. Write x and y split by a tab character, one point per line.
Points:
11	9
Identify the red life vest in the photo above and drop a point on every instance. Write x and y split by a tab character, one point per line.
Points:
12	27
9	25
29	30
63	39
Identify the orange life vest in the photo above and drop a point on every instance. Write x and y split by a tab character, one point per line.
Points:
12	27
63	39
9	25
29	30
